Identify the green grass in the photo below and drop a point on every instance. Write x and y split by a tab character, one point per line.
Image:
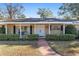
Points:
19	48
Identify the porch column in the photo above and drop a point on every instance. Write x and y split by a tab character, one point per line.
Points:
49	28
20	31
63	28
6	29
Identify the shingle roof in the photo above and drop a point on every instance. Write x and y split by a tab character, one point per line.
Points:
40	20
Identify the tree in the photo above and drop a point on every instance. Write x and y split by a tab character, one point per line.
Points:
71	9
66	17
12	11
45	13
70	29
22	16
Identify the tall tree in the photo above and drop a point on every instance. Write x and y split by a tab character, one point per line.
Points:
66	17
71	9
45	13
12	11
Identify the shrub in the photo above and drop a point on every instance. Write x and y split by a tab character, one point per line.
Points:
13	37
32	37
65	37
51	37
3	37
70	29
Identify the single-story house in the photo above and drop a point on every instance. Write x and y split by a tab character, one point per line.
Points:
37	26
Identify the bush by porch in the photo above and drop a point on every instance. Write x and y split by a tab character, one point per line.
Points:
63	37
15	37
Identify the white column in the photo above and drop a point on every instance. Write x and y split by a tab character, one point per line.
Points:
28	29
49	28
34	28
6	29
63	28
20	31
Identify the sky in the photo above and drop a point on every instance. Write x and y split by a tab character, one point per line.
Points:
32	8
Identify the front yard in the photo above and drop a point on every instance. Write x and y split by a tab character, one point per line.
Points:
12	45
66	48
19	48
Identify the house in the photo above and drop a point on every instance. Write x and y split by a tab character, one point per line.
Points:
37	26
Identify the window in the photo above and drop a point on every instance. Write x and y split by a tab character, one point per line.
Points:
55	27
24	30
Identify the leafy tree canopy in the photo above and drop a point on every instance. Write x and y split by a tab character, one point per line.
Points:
71	9
45	13
12	11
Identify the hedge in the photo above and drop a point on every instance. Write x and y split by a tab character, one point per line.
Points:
65	37
13	37
3	37
32	37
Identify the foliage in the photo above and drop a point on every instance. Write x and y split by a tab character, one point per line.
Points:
32	37
71	9
70	29
65	37
13	37
12	11
3	37
67	17
22	16
44	13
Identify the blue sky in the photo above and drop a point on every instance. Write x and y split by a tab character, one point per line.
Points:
32	8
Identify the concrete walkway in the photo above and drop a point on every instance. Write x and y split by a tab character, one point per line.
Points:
45	49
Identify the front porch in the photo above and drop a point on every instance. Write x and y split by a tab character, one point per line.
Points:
40	29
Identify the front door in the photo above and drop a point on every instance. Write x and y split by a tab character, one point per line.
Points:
40	30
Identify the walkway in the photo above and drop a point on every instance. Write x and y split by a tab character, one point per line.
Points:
45	49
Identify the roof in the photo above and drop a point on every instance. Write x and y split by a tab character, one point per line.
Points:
40	20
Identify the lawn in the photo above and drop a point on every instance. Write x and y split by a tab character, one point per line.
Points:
19	48
67	48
